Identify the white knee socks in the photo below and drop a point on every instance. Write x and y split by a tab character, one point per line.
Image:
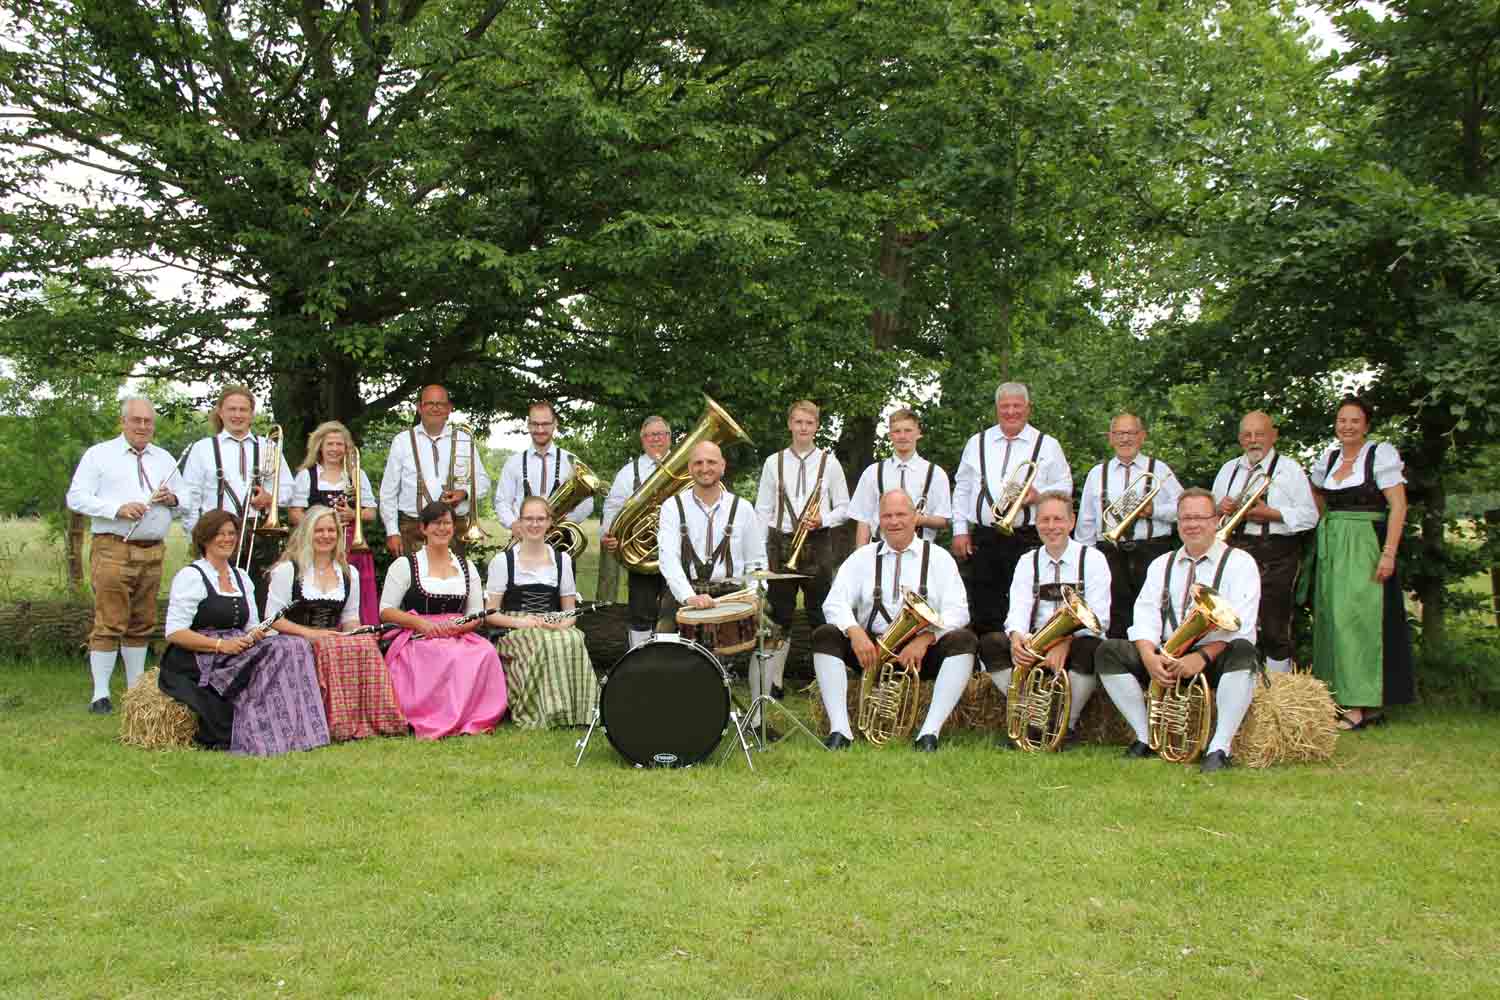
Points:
1084	686
776	665
1279	666
952	679
135	663
1125	691
1232	701
1002	680
102	666
833	687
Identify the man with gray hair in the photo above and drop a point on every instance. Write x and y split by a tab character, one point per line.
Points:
126	487
990	459
644	588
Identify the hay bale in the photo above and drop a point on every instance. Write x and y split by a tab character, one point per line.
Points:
152	720
1101	723
1291	720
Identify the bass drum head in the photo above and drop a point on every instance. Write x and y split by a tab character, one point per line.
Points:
665	703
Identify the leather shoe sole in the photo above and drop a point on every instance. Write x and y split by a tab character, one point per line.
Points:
101	706
837	741
1216	761
1139	751
925	744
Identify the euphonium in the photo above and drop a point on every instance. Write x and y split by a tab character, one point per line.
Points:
1249	495
464	478
1180	718
636	525
1007	510
888	691
351	466
1039	701
1129	506
799	537
568	535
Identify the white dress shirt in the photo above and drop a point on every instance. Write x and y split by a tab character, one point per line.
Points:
109	476
1290	493
541	473
1389	469
801	477
1163	519
864	506
747	539
852	596
496	581
201	477
398	486
627	481
398	582
1240	586
1052	473
188	592
279	591
302	487
1094	572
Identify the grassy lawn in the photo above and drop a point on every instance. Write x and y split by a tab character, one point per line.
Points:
490	867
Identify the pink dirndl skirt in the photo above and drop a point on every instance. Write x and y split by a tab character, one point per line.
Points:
447	686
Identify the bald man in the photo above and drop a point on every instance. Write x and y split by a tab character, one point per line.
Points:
1271	531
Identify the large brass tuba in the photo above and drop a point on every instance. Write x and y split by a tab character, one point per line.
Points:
889	692
1180	717
1039	701
1249	495
1007	510
1120	516
635	526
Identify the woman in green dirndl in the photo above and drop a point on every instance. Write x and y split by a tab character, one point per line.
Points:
547	668
1361	642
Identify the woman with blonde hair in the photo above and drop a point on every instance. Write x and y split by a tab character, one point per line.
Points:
323	479
319	589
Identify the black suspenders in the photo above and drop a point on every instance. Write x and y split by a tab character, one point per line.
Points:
703	569
239	507
877	600
1168	613
984	478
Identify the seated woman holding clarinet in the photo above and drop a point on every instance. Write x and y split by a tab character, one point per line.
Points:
547	670
254	691
320	593
447	679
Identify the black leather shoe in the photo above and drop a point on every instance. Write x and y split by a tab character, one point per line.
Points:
925	744
1006	743
1216	761
101	706
837	741
777	691
1139	751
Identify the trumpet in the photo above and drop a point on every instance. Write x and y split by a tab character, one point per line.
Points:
888	692
268	468
463	478
1120	516
1039	701
1007	510
1249	495
799	537
351	469
1179	717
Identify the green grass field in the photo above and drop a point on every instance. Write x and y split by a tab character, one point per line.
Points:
490	867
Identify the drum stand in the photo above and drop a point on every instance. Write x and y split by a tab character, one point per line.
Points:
763	701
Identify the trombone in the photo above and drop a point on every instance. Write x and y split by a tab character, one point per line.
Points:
1249	495
1129	506
1007	510
268	468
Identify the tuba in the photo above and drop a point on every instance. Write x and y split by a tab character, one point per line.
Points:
464	478
567	535
635	526
1180	717
1120	516
888	693
1007	510
1039	701
351	467
1249	495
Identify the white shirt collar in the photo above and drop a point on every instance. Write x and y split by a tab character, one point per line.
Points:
445	432
1264	463
1025	434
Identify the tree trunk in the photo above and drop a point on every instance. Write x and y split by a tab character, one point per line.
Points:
1431	582
1492	519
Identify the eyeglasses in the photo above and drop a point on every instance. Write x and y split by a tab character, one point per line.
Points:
657	434
539	424
1189	518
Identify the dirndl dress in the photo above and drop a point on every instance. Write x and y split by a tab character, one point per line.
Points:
448	685
549	675
261	702
369	598
358	698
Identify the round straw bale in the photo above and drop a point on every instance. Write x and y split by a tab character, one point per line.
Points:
154	721
1291	720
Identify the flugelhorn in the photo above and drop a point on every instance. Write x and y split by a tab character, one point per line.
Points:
1180	717
636	524
1120	516
888	691
809	508
1249	495
1007	510
1039	701
465	480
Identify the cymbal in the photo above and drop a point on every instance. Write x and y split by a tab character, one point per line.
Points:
765	574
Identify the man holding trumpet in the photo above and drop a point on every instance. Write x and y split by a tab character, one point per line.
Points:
126	486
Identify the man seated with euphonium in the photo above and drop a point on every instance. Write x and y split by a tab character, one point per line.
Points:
1226	658
1036	594
866	597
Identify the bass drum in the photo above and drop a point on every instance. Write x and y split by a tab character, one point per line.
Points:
665	703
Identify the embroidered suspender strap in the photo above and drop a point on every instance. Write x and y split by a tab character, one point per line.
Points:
927	485
877	599
984	483
1036	587
1168	613
1219	572
219	472
879	492
635	475
557	470
922	578
1103	487
1036	454
724	548
687	558
1265	529
452	457
1150	521
423	497
784	502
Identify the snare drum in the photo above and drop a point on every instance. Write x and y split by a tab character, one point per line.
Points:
665	703
727	628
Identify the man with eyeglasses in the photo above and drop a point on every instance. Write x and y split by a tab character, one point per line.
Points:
537	470
1150	535
429	461
645	588
1227	659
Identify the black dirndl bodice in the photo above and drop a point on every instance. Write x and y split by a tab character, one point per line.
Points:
1362	496
419	601
530	598
221	611
322	612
